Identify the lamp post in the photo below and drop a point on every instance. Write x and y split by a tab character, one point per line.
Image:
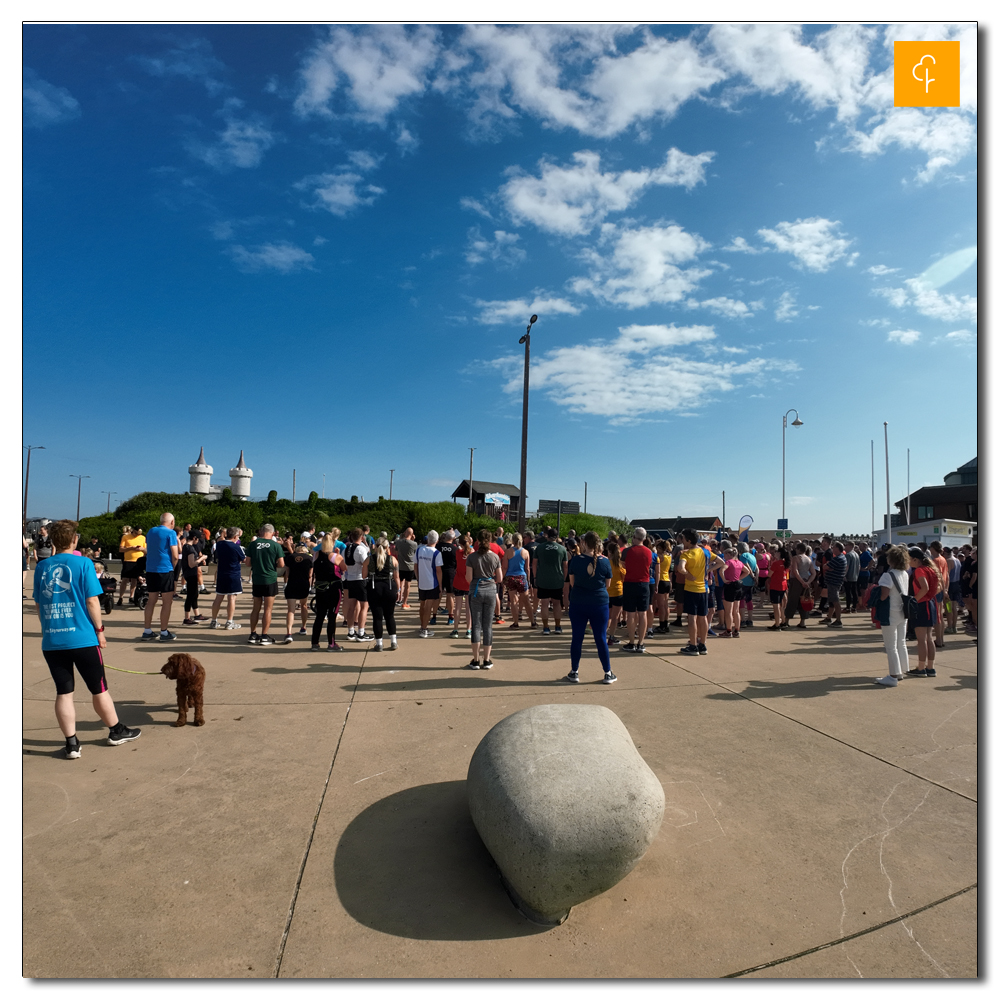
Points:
27	472
526	340
110	493
79	487
391	471
784	424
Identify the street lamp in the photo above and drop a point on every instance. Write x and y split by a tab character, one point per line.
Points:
110	493
27	472
784	423
526	340
79	486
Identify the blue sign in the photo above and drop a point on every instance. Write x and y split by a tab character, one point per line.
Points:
782	523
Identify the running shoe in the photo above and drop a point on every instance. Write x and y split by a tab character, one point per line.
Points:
546	631
201	618
468	633
378	646
736	634
232	626
393	644
573	677
650	634
302	631
888	681
930	672
123	735
748	623
628	647
253	639
363	637
836	623
166	637
426	633
453	634
266	640
188	621
288	640
335	648
316	647
688	649
728	634
614	641
72	748
451	621
472	665
486	665
406	607
702	649
640	648
148	636
434	620
215	624
558	630
713	634
513	625
118	604
609	677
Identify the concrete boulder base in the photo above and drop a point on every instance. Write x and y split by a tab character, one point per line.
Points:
564	803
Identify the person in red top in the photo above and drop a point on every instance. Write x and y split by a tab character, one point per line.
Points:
778	586
463	548
936	553
635	591
501	553
926	583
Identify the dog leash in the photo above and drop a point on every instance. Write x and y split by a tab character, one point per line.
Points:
122	670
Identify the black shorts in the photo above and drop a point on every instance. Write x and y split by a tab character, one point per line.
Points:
357	590
925	615
160	583
635	597
663	587
87	660
732	591
430	595
615	602
295	593
695	604
777	596
954	591
131	570
550	593
265	589
407	574
448	581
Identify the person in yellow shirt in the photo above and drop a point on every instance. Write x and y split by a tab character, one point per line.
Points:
697	562
133	549
616	587
663	585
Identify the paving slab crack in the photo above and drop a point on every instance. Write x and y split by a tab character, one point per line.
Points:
312	831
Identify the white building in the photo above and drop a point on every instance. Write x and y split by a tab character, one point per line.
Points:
201	475
240	477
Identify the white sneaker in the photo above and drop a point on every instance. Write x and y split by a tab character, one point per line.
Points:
215	624
378	646
232	626
393	644
888	681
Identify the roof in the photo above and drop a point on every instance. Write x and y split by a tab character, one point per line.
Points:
481	486
675	523
970	465
942	494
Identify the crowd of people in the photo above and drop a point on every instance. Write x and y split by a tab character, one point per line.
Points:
642	586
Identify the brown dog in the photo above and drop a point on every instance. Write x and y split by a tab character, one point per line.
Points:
190	677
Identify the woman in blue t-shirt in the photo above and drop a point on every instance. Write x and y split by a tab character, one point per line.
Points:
66	597
589	574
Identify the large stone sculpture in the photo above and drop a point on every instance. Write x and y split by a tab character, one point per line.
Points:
564	803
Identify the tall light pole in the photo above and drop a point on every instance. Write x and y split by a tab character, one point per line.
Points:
110	493
79	487
888	506
873	487
324	485
27	472
522	506
391	471
784	424
471	505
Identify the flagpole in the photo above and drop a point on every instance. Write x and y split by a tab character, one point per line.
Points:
907	485
888	509
873	487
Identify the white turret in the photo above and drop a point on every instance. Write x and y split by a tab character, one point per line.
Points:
201	475
240	478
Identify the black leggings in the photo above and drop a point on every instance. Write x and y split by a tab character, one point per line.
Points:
87	660
191	597
851	593
327	603
382	602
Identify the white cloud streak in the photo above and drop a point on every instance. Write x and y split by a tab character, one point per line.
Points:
520	310
280	256
44	104
345	189
813	242
786	310
930	302
906	337
502	249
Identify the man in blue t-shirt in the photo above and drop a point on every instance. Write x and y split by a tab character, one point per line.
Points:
749	582
161	558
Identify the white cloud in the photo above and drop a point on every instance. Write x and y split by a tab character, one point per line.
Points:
800	501
813	242
786	308
343	191
906	337
643	266
526	69
931	303
502	249
476	206
722	306
192	60
281	256
242	143
572	200
520	310
960	336
637	374
382	65
880	269
406	140
740	245
44	103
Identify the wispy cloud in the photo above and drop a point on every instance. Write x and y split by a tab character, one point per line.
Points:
191	59
813	243
343	190
520	310
930	302
44	104
906	337
241	144
786	310
280	256
502	249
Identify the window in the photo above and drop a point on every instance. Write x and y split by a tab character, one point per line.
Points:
973	511
925	513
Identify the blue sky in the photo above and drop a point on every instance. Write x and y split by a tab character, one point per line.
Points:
321	245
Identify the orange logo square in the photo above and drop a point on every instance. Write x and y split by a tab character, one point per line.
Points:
926	75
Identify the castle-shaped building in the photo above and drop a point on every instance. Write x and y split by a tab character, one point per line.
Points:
201	478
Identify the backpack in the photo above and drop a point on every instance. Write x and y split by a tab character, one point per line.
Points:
349	553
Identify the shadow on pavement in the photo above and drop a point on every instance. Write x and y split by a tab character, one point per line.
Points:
413	865
812	688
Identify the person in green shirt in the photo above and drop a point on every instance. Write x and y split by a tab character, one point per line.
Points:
266	558
548	566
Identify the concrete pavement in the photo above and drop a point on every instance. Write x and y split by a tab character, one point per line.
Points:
317	825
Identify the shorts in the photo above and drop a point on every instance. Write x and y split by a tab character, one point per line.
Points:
296	593
227	588
448	581
160	583
518	583
461	593
635	597
616	602
430	595
762	584
357	590
87	660
550	594
925	615
131	570
408	574
777	596
748	594
695	604
939	598
265	589
663	587
732	591
954	591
